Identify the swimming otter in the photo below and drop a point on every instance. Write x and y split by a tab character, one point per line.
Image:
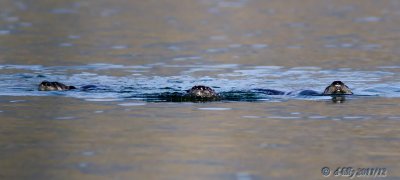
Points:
202	92
337	88
54	86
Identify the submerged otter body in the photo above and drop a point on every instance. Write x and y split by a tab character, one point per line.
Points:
54	86
194	94
337	88
202	92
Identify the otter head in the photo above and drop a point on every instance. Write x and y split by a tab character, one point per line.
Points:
337	88
54	86
47	86
202	92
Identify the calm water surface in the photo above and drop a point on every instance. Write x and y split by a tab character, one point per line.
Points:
134	51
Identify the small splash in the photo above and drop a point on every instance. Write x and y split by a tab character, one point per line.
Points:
243	176
66	45
330	46
25	24
368	19
219	38
74	37
346	45
214	10
271	100
109	12
283	117
230	4
215	109
251	117
21	6
342	45
104	99
132	104
368	47
297	25
389	67
102	66
17	101
354	117
11	19
83	165
235	45
24	67
65	118
216	50
317	117
174	48
118	47
259	46
187	58
306	68
270	145
88	153
63	11
294	47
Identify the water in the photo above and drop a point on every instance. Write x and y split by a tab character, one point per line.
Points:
242	82
134	55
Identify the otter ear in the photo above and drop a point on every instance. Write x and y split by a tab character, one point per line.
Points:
337	83
45	83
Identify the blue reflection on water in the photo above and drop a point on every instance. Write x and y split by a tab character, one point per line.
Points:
232	81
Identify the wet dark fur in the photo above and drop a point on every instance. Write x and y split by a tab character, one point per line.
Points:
202	92
337	88
54	86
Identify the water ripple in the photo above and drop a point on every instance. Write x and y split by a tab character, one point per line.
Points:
97	82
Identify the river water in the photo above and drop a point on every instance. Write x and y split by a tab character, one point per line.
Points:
131	52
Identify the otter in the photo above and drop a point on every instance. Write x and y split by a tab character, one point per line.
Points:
197	93
54	86
201	91
337	88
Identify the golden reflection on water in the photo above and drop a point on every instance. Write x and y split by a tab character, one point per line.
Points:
182	141
291	33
